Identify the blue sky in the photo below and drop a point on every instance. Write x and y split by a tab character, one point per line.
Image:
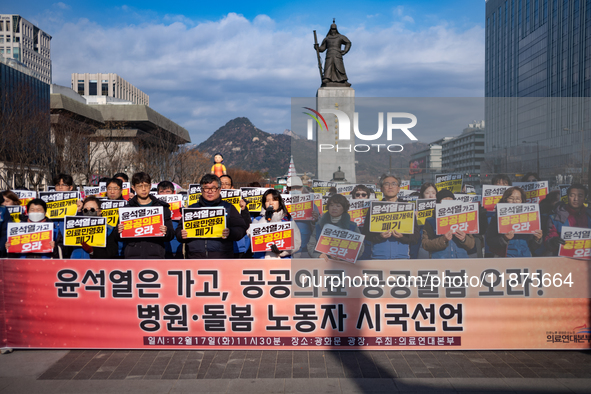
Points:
205	63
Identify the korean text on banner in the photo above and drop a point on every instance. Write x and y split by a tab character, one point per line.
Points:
264	235
534	191
90	230
206	222
451	182
466	197
232	196
141	222
563	190
425	210
456	216
194	194
253	197
345	190
15	212
491	195
520	218
389	216
126	191
339	243
318	201
405	185
358	210
322	187
60	204
110	210
407	195
300	206
25	196
578	242
175	203
30	237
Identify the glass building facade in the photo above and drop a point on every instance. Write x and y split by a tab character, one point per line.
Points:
538	85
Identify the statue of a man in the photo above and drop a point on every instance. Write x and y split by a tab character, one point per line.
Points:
334	68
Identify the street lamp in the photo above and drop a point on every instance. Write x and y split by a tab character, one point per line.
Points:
537	154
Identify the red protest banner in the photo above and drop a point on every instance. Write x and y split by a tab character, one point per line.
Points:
339	243
141	222
491	195
126	191
30	237
358	210
231	306
175	203
534	191
300	206
520	218
264	235
578	242
456	216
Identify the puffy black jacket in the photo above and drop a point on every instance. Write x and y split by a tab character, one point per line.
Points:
215	248
149	247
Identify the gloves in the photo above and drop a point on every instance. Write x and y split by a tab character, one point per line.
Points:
87	248
275	249
556	242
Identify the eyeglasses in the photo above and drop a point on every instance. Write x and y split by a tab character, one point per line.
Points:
92	210
210	189
388	184
513	199
360	194
142	186
113	189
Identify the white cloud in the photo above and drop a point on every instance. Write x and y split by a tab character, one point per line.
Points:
201	75
62	6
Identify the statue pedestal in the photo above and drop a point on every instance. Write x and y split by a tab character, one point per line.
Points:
343	153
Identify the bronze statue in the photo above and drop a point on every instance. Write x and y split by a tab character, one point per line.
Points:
334	74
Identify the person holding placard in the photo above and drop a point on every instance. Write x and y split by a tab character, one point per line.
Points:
275	211
390	244
147	247
213	248
242	246
338	208
451	245
428	191
37	209
90	207
10	199
572	214
511	244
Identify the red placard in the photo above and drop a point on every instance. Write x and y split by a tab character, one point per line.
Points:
141	222
339	243
358	210
300	206
175	203
126	191
456	216
520	218
491	195
578	242
30	237
534	191
264	235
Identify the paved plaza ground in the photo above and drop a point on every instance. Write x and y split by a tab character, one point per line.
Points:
139	371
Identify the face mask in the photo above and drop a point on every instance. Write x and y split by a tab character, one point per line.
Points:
294	192
36	216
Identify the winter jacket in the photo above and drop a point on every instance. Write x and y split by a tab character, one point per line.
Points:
215	248
149	247
278	217
344	223
522	245
440	248
392	247
562	217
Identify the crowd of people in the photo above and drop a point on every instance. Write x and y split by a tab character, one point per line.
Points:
174	242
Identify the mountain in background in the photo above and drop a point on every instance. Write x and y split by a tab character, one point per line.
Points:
245	146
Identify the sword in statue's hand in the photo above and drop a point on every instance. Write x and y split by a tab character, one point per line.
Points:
318	55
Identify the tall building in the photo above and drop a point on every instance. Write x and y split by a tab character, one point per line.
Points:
24	126
426	163
464	153
27	44
537	84
107	85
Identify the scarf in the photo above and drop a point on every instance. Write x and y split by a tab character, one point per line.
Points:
576	217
